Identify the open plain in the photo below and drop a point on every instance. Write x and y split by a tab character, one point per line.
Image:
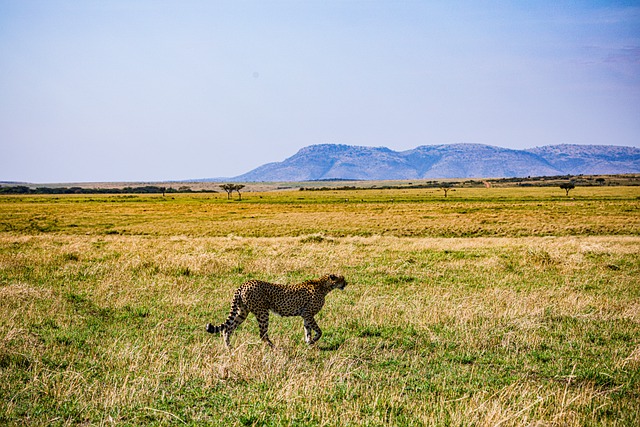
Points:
492	306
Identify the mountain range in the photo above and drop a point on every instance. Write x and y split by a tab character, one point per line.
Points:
337	161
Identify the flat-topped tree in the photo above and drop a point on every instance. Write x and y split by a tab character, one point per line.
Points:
230	188
239	187
445	186
568	186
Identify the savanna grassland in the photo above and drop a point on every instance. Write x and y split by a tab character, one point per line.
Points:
491	307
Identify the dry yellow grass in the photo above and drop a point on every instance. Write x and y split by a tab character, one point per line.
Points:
104	329
469	212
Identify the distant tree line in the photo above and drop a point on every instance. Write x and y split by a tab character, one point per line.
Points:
346	187
148	189
541	181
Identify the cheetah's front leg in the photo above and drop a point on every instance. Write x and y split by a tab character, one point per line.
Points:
311	325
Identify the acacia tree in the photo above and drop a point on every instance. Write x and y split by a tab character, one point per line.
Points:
568	186
230	188
239	187
445	186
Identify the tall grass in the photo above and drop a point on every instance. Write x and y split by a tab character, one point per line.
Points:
108	329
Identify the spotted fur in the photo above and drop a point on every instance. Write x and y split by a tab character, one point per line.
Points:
303	299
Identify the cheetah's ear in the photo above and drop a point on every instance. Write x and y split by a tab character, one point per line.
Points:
333	277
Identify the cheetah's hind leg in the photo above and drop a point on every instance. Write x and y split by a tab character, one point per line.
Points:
237	321
263	324
236	316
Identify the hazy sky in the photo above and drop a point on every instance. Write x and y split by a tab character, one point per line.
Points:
158	90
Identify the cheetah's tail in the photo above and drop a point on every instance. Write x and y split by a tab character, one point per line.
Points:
227	323
216	329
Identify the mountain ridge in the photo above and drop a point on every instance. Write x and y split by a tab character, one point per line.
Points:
462	160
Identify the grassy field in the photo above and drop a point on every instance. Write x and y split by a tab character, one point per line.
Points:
499	306
473	212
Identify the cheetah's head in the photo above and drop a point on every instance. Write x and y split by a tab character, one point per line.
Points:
336	281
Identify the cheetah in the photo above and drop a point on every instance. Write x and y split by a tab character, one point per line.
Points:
303	299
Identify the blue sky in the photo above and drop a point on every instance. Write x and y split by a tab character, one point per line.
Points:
160	90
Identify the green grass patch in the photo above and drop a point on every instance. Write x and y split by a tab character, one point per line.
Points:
532	321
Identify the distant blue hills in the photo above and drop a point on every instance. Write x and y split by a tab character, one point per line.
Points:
347	162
